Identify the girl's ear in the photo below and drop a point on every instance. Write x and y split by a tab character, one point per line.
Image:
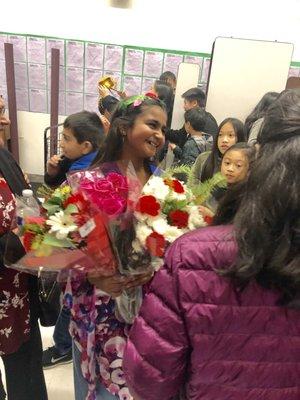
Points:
87	147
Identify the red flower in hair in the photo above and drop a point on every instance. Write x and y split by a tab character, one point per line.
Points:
155	244
179	218
148	205
152	95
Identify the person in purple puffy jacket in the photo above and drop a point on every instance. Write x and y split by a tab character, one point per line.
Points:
222	318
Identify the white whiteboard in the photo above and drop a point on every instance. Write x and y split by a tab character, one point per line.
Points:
187	78
242	71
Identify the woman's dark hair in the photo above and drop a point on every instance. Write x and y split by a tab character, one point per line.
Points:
165	93
267	223
122	119
213	163
167	76
196	117
260	110
86	126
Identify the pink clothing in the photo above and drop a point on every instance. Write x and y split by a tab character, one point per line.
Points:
196	333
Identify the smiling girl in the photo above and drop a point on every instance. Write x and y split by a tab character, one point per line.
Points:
136	134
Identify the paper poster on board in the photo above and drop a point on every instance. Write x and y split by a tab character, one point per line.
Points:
37	76
36	50
19	43
2	76
294	71
147	84
38	100
94	53
91	102
91	79
113	57
171	62
22	99
153	64
133	61
74	79
193	60
205	69
21	76
56	44
74	102
132	85
3	39
75	52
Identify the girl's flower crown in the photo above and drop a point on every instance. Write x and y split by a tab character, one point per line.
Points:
137	100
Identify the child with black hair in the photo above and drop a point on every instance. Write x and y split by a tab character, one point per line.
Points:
197	141
82	135
193	98
231	131
81	138
169	78
235	167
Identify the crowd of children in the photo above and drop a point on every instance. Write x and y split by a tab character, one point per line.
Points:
214	322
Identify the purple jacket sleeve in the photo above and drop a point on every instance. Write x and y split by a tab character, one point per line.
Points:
157	350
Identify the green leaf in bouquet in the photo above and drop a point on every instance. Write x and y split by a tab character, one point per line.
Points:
180	172
203	190
71	209
34	228
174	205
52	240
51	208
44	191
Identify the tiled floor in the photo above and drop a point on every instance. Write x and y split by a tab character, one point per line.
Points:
59	379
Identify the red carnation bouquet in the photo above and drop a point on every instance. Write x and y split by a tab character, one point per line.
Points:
165	210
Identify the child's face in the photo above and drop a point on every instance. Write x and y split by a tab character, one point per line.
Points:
187	127
147	135
235	166
189	104
70	146
226	137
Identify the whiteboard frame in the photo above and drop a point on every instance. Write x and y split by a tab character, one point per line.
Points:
242	71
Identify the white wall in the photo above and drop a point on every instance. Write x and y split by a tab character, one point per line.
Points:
190	25
31	140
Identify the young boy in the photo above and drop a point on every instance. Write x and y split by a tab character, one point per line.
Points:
193	98
197	141
81	138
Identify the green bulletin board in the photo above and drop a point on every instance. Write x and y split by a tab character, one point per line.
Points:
82	63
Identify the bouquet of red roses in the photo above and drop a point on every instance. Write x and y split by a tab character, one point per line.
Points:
73	230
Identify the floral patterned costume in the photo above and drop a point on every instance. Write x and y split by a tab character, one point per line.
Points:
14	300
99	336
